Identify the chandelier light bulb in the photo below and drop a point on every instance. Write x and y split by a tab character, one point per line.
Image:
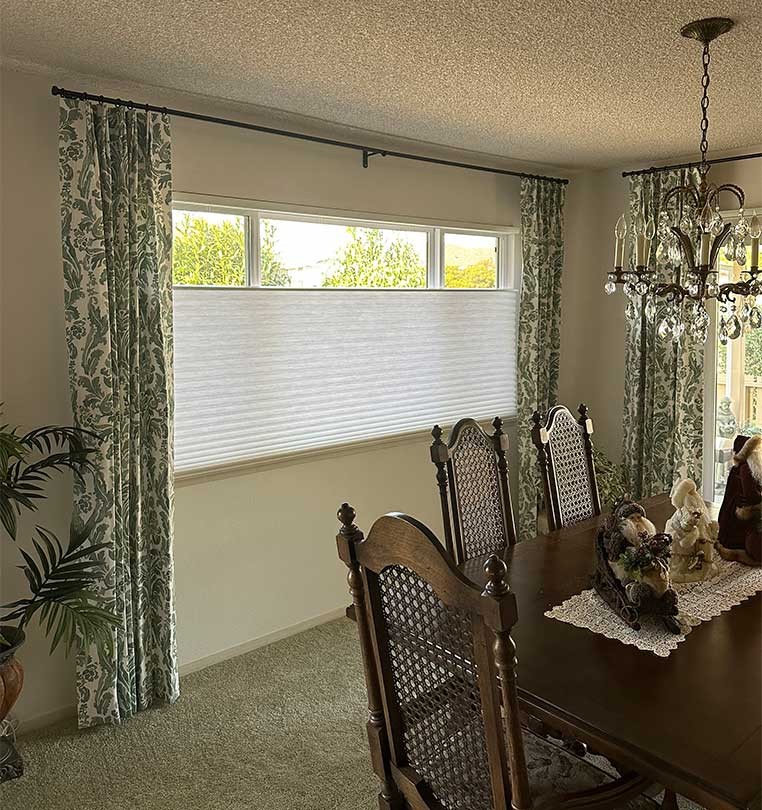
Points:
650	230
620	230
639	225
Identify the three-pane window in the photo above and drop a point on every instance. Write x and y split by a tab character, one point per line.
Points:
225	247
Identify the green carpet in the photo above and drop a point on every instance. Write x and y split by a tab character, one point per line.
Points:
281	728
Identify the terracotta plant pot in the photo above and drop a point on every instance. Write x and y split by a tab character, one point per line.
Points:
11	671
11	681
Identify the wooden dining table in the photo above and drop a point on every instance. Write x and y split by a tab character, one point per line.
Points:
692	721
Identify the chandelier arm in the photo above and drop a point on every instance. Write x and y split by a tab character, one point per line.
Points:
731	188
726	292
687	190
669	291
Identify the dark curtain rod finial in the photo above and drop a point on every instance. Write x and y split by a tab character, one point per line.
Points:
366	151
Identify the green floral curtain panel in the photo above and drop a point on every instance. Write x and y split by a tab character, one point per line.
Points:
664	378
116	195
542	242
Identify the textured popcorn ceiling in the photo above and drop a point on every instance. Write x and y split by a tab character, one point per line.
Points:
567	83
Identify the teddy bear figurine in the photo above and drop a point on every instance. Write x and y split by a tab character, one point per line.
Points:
693	550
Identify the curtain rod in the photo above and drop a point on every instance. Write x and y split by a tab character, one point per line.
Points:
367	151
656	169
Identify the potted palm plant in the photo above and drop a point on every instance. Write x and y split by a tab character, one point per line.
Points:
62	577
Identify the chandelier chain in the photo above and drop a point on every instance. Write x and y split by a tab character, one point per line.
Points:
706	58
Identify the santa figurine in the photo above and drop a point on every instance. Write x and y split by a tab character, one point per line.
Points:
693	533
740	519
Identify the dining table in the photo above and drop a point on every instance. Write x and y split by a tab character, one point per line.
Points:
691	721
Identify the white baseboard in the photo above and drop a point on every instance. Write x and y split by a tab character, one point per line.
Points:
261	641
70	711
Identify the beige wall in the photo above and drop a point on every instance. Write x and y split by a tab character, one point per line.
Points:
254	553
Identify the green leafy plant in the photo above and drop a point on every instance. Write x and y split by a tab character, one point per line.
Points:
652	552
61	579
610	478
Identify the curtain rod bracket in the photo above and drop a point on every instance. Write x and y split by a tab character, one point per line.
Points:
368	153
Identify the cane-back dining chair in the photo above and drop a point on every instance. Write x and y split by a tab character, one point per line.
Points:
439	662
472	476
565	457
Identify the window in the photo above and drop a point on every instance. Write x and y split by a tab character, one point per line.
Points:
737	374
470	261
296	332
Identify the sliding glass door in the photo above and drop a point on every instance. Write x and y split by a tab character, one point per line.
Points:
734	385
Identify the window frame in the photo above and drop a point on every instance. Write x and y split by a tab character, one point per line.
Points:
508	239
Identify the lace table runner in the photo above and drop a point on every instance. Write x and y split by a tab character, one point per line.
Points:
698	602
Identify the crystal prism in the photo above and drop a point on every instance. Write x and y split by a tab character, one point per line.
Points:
741	253
650	310
741	229
609	288
722	332
686	224
733	327
664	330
730	249
717	224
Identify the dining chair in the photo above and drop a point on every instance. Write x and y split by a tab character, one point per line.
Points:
565	457
440	667
472	476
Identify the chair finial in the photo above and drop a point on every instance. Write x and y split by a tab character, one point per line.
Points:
346	514
497	423
537	418
495	569
438	449
582	410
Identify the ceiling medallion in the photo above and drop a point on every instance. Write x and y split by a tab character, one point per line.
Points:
675	275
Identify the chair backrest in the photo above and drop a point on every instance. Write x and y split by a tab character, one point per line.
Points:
565	456
472	475
438	644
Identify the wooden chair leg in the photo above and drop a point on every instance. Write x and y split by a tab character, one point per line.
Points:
669	802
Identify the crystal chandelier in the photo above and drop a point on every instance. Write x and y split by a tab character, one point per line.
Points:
691	233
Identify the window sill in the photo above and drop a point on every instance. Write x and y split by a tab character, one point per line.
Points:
232	469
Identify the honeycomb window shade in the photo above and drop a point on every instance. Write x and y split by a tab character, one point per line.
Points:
264	373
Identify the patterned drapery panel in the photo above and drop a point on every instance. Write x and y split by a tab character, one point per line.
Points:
542	243
116	225
664	380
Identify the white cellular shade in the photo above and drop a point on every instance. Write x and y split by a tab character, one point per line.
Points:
264	372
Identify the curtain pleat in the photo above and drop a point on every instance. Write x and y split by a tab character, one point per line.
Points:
539	349
116	223
664	380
